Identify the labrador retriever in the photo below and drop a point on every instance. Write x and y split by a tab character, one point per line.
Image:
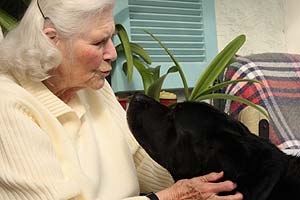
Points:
194	138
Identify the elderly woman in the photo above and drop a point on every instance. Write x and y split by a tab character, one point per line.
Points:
63	138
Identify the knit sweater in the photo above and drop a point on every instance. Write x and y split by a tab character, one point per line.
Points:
81	150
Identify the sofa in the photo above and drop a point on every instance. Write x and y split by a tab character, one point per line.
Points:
279	95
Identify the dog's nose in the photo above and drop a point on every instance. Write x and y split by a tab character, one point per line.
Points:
138	98
138	103
141	99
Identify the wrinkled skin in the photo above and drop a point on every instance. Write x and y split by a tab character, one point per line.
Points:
86	59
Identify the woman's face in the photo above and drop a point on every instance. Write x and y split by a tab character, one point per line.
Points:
87	59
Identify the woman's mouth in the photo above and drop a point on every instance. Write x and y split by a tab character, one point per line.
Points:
105	73
104	70
102	73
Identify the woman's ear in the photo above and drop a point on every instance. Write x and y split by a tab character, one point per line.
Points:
52	34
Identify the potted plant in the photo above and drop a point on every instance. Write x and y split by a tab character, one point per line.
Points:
138	58
204	87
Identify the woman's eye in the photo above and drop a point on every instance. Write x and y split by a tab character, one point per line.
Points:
104	41
100	43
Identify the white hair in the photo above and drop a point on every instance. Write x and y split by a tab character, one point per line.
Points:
28	53
1	34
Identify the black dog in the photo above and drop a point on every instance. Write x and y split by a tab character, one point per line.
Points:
193	139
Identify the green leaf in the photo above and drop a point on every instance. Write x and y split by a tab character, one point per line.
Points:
234	98
119	48
217	66
6	21
224	84
182	76
26	2
136	49
145	74
155	71
155	87
124	68
122	34
173	69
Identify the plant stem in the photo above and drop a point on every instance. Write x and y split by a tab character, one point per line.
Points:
184	82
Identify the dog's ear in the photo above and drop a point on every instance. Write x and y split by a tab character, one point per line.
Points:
221	143
196	125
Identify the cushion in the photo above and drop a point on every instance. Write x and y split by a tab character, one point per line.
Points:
251	118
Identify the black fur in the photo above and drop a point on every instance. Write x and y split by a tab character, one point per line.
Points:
194	139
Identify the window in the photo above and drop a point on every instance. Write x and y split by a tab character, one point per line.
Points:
187	28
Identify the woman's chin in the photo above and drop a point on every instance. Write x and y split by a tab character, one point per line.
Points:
96	85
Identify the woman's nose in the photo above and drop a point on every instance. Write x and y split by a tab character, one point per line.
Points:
110	52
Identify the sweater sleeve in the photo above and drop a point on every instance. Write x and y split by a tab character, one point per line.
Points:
29	168
152	177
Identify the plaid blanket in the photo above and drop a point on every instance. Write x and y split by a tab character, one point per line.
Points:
279	94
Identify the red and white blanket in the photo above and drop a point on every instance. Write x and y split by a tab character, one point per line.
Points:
279	94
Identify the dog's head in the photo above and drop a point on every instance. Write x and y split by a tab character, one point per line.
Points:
182	138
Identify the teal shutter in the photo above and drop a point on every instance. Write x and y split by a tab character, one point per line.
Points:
187	28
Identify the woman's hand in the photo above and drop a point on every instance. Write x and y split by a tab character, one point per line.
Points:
200	188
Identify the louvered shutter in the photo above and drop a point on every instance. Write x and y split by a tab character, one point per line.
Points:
186	27
179	24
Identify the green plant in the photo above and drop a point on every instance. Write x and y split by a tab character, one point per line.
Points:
137	57
203	89
7	22
16	8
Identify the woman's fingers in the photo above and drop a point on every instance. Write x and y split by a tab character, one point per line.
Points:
225	186
236	196
213	184
212	177
205	187
211	187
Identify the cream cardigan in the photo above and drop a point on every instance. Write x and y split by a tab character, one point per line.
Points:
83	150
